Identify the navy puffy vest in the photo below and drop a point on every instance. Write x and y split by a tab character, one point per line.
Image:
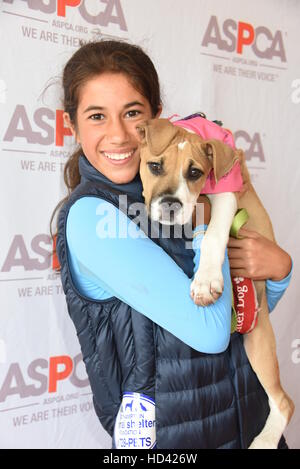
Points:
202	401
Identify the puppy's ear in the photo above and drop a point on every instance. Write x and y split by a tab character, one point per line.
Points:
142	132
221	156
158	134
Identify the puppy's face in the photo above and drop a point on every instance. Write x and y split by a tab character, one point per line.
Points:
174	166
173	179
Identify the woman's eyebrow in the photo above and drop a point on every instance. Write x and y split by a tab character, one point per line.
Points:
93	107
133	103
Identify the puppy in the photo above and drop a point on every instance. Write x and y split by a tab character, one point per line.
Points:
174	166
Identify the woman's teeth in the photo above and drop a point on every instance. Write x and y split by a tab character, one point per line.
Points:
118	156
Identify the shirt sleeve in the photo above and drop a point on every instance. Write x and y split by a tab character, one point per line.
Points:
109	250
276	290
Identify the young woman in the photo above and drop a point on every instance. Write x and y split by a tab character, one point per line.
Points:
162	370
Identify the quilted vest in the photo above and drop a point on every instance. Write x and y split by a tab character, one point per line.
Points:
201	400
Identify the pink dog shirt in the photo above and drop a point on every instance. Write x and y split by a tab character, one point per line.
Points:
232	181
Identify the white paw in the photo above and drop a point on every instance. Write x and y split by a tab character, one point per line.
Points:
207	287
274	427
264	442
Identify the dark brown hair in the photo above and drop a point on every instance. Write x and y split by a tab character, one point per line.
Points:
91	60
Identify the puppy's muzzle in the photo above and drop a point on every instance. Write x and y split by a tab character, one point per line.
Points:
170	207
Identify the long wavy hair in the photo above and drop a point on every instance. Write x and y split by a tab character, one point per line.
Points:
93	59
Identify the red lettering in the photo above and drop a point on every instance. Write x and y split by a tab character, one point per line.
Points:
55	261
54	374
61	6
61	130
244	40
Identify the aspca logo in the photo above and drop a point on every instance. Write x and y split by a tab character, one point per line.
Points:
36	255
237	36
42	376
44	127
251	144
109	11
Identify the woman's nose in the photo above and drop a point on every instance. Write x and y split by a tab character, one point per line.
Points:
117	131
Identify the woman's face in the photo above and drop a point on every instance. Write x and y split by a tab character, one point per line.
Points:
108	113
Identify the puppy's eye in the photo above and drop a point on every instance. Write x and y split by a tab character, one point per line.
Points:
194	173
155	168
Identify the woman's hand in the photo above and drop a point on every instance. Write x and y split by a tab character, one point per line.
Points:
257	257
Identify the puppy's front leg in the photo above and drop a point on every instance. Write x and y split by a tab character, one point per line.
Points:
208	284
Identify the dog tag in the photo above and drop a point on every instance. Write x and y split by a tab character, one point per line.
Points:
135	423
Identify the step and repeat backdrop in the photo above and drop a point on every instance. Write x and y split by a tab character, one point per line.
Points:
235	61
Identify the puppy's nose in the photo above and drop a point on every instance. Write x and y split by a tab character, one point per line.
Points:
171	205
169	201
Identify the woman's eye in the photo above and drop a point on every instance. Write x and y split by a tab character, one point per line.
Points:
194	174
96	117
133	113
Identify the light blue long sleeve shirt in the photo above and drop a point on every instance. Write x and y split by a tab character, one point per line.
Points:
110	256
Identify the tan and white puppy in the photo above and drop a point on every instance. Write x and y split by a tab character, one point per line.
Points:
174	166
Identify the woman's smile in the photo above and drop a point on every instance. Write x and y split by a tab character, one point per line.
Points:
119	157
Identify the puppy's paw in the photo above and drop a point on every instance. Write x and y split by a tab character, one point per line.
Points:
275	425
263	443
206	287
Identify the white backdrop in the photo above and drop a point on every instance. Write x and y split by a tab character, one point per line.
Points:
237	62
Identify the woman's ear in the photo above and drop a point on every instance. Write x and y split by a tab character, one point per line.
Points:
158	112
70	126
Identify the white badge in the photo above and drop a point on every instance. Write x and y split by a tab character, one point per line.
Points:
135	422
